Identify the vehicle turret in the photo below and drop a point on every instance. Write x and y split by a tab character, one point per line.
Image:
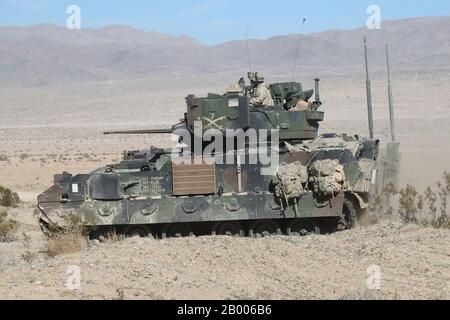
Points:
293	114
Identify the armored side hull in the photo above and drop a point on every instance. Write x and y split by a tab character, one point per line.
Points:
321	186
237	214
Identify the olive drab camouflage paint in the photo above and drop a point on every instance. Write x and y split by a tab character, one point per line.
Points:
322	182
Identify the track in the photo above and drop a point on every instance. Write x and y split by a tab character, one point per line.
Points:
251	229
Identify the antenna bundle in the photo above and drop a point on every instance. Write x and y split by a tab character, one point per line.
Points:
369	91
298	49
248	50
392	156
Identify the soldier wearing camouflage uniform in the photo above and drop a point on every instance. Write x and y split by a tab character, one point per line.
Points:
261	96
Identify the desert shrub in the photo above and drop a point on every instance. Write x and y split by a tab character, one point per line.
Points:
111	237
443	220
382	205
65	243
431	199
376	204
8	198
443	191
409	205
390	190
24	156
8	227
28	256
3	158
429	208
68	240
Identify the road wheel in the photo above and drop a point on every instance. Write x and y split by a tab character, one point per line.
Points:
137	231
179	230
303	227
231	229
264	229
348	219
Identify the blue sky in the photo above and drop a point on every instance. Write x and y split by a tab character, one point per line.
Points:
216	21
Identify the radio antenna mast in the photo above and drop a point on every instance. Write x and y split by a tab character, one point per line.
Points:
390	96
369	91
298	49
393	155
248	50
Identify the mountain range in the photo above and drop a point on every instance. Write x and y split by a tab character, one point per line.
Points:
47	54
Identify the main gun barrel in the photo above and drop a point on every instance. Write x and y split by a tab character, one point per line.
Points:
157	131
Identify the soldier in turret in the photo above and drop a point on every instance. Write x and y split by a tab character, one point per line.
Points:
260	96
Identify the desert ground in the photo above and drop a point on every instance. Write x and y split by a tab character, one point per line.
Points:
312	267
50	129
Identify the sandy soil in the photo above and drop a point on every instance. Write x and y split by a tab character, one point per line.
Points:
313	267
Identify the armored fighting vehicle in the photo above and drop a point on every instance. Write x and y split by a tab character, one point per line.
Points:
249	162
240	169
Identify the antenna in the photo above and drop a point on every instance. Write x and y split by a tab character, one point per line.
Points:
248	50
369	91
298	49
393	155
390	95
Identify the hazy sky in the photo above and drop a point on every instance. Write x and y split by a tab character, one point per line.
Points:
215	21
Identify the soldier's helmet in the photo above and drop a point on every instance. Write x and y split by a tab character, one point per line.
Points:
255	77
234	89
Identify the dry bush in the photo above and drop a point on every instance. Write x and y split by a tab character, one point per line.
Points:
442	222
69	240
431	199
390	190
443	219
65	243
429	208
28	256
376	205
8	227
3	158
409	205
112	237
24	156
381	204
8	198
